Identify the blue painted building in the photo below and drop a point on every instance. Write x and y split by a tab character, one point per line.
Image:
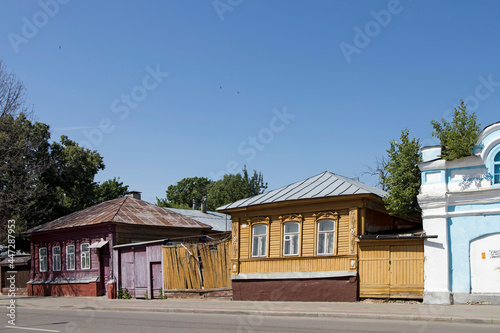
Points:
460	202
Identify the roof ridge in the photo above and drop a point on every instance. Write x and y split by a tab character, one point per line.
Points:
120	207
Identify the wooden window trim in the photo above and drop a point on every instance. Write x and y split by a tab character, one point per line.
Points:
81	257
54	258
259	220
40	259
297	218
318	217
74	257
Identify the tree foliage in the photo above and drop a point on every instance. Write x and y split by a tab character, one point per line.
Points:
459	137
402	180
39	180
110	189
230	188
187	191
233	187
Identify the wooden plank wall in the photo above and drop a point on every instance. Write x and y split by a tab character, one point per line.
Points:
391	269
307	239
197	266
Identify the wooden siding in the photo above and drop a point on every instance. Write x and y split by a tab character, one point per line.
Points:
197	266
297	264
391	269
344	239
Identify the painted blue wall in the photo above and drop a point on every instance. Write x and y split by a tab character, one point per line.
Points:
462	230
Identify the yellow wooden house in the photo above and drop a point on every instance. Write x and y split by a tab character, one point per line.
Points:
300	242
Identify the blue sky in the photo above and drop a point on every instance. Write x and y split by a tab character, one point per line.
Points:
170	89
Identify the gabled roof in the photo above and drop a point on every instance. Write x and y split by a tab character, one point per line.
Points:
218	221
324	185
125	210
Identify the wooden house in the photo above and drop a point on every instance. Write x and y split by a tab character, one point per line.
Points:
300	242
73	255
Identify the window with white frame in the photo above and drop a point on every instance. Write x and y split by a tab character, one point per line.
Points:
70	257
56	258
496	166
42	255
326	239
259	240
85	256
291	238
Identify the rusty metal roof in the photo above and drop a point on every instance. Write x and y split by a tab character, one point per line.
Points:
122	210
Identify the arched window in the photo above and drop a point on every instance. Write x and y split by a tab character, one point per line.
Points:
496	164
291	238
326	239
259	240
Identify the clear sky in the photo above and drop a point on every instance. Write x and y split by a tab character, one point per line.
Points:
170	89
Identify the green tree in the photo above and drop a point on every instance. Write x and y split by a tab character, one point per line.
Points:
459	137
187	190
233	187
402	180
25	162
72	176
110	189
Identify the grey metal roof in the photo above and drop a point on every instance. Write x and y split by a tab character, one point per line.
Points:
218	221
325	184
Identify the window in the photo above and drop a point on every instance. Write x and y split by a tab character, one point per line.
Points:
291	239
56	258
42	255
326	232
85	256
259	240
496	165
70	257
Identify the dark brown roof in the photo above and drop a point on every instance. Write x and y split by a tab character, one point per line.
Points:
122	210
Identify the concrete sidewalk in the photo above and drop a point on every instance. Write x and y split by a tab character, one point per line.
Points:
479	314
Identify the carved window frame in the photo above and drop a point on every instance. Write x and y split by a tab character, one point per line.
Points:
291	218
251	224
322	216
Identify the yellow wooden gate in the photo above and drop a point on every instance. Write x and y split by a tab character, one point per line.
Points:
391	268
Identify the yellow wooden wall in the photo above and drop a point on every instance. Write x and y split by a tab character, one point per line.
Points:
307	260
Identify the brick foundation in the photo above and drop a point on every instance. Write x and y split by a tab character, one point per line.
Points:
68	289
341	289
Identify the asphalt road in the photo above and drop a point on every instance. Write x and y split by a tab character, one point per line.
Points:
33	320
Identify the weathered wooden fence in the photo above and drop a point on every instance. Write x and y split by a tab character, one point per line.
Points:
197	266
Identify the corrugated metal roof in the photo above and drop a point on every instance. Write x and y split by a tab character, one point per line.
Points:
218	221
122	210
325	184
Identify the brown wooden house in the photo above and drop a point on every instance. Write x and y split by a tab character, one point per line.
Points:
300	242
73	255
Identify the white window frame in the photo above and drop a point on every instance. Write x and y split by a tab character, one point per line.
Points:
85	256
291	238
326	240
496	164
260	240
43	260
56	258
70	257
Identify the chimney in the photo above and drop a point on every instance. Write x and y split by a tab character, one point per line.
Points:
204	205
194	204
134	194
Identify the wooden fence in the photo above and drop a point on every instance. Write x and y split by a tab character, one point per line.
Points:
197	266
